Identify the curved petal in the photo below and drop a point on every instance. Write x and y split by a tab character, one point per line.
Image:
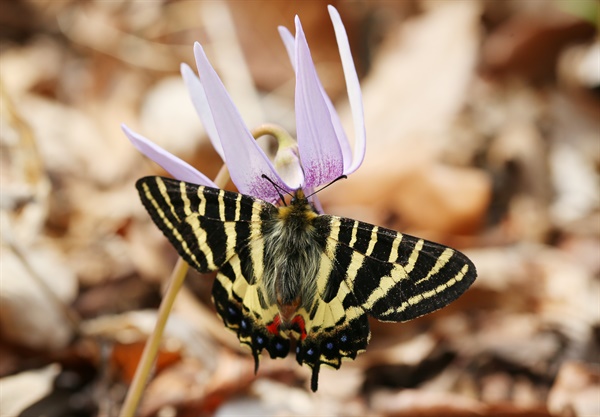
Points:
289	42
245	160
200	103
318	145
354	93
339	129
176	167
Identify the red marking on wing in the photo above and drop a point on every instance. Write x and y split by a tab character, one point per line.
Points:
299	320
273	328
297	323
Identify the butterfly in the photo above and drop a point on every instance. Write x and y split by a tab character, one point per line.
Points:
289	276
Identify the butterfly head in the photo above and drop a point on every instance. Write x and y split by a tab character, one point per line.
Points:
299	208
299	198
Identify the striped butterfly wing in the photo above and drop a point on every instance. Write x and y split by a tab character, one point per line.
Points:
202	223
212	230
370	270
398	277
337	327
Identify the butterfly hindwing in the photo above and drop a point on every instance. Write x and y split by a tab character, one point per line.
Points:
337	328
250	327
329	345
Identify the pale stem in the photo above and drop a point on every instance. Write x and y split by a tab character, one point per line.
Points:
283	137
148	358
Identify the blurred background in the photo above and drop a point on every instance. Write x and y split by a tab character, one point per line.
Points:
483	127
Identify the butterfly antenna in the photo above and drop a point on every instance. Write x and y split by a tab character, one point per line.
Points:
278	189
341	177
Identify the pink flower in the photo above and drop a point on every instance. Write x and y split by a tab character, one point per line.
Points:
323	152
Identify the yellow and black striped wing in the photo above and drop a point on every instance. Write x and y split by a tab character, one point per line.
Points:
369	270
212	230
207	226
394	276
337	327
243	308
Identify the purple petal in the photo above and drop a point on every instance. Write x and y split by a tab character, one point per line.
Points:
244	158
289	42
354	93
179	169
339	129
318	145
200	102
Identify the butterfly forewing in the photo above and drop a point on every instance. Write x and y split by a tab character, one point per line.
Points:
206	225
394	276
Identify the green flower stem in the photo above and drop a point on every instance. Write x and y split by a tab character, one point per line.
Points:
134	395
